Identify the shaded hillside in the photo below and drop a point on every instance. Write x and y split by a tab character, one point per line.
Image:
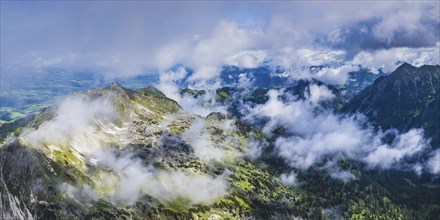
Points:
408	98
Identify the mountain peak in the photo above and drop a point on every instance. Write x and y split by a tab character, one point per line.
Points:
405	66
116	87
405	99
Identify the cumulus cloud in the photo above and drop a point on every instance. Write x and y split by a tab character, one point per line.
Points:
295	57
130	180
202	105
169	83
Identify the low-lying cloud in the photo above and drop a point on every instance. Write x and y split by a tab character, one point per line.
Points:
133	180
171	84
90	128
199	138
315	135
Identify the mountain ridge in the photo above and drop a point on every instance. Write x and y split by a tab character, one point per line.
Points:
407	98
62	164
152	135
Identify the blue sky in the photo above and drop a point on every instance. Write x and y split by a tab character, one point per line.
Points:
128	38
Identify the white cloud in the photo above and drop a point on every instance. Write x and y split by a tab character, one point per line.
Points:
245	80
204	73
335	75
203	105
247	59
319	93
169	81
290	179
227	43
226	39
407	144
390	59
293	113
407	20
304	57
255	149
174	76
336	172
343	175
433	163
171	54
305	152
73	116
199	139
321	56
135	180
315	134
297	63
